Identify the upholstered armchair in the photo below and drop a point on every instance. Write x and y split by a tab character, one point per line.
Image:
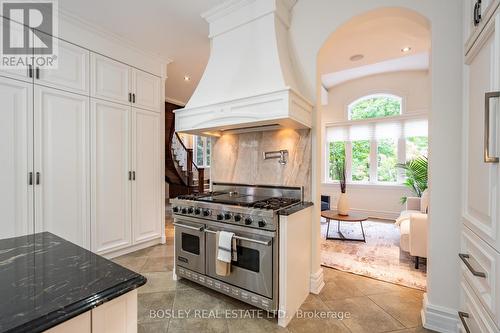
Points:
413	225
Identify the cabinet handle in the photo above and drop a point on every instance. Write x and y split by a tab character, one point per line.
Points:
477	13
37	73
30	178
133	98
130	175
463	316
130	97
38	178
30	71
487	157
133	175
465	258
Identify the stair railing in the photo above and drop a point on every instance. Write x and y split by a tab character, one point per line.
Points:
184	157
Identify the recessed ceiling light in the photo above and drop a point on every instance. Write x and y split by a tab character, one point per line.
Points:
406	49
356	57
187	78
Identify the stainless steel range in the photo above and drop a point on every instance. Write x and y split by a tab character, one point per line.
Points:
252	213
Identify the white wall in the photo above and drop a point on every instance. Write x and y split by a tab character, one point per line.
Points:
313	22
414	87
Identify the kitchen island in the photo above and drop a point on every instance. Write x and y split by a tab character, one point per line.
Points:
47	282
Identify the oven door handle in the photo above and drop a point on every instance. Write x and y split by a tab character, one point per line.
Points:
188	227
266	243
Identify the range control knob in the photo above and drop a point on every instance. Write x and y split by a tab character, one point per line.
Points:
197	211
220	217
262	224
190	210
227	216
206	212
184	211
237	218
176	209
248	221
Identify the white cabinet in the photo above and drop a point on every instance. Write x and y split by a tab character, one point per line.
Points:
110	123
126	176
119	83
116	316
480	255
16	158
110	79
481	206
62	161
477	14
17	36
146	90
146	163
72	72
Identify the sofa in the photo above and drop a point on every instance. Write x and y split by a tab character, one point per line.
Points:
413	226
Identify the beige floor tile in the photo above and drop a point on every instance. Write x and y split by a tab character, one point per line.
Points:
157	264
154	306
364	315
405	306
198	299
153	327
339	289
316	326
254	325
192	325
133	263
158	282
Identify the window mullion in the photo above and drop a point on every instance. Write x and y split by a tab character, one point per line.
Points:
401	158
373	160
348	160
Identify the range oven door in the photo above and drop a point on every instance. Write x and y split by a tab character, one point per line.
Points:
190	244
253	269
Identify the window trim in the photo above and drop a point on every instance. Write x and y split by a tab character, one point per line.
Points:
374	95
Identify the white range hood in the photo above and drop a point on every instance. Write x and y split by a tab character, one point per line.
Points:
249	83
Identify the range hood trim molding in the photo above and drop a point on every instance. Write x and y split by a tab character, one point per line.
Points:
285	107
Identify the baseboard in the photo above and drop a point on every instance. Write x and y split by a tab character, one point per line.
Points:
317	282
130	249
438	318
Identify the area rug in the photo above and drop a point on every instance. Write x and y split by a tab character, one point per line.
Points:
379	258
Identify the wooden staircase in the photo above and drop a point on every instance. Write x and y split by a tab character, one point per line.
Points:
181	173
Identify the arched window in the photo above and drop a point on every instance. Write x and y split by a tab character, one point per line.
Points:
375	106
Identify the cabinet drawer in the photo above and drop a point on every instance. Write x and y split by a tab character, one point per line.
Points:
474	315
484	260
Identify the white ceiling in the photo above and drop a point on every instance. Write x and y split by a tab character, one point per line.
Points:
173	29
416	62
379	36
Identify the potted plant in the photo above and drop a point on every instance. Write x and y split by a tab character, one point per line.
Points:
416	175
343	202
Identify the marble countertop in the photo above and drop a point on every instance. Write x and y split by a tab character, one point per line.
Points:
46	280
295	209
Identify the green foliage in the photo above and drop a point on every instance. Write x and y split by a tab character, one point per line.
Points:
387	159
361	160
376	107
416	175
336	154
416	146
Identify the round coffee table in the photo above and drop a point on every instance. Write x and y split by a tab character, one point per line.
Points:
352	218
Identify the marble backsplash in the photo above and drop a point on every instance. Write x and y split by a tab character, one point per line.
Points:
238	158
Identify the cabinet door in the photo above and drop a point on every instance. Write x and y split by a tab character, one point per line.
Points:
147	88
62	164
72	72
111	79
146	188
16	38
111	200
481	206
116	316
16	158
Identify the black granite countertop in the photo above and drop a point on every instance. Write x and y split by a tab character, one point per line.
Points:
46	280
295	209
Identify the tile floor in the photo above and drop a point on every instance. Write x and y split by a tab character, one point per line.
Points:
373	306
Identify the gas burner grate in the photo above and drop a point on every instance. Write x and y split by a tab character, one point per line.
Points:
275	203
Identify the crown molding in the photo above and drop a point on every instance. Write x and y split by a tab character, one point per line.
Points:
175	101
74	19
